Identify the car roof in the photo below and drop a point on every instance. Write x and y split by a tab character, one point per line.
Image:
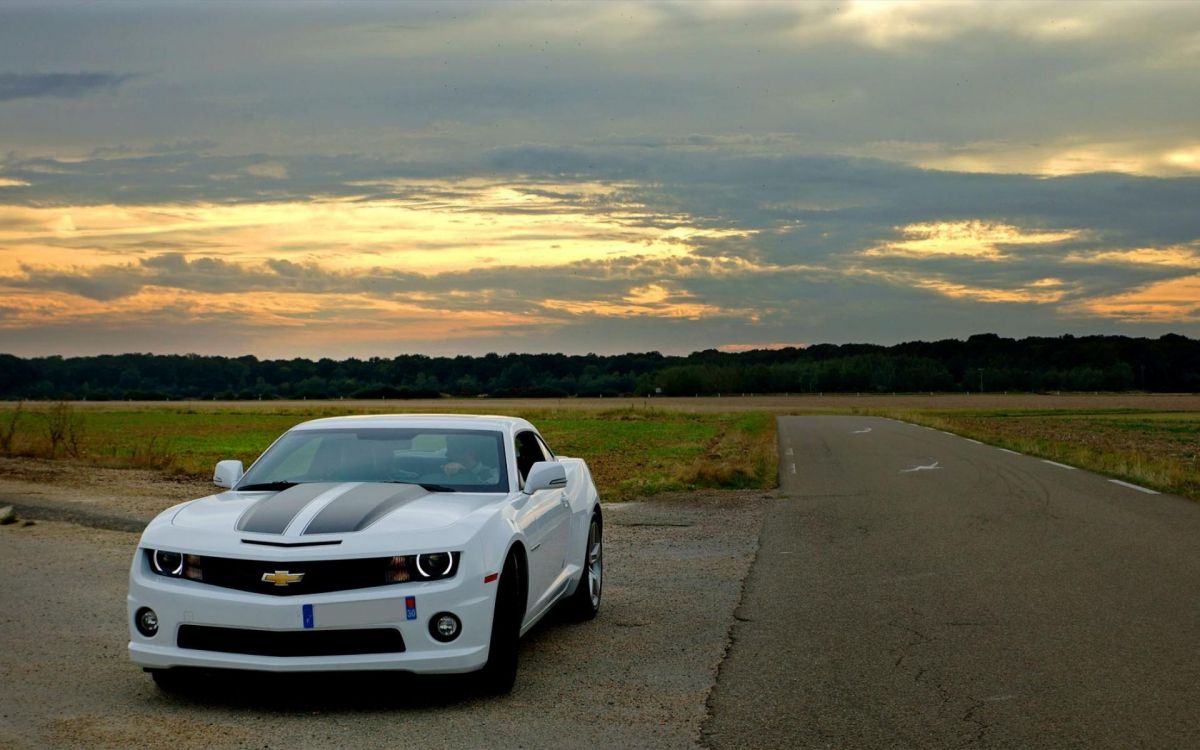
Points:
449	421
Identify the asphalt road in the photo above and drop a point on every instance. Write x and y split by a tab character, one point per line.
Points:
919	590
637	676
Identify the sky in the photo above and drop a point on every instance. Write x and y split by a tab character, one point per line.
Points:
336	180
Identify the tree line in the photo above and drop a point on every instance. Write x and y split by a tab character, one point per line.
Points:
986	362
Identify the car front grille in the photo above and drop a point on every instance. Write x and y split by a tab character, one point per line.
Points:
315	576
290	642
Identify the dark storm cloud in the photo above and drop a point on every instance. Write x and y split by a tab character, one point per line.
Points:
517	286
188	176
61	85
192	146
208	274
103	284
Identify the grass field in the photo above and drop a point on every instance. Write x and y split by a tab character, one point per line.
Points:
631	452
639	447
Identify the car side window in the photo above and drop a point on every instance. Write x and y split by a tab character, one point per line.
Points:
529	452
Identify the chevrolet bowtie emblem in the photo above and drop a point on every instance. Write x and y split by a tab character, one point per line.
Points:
282	577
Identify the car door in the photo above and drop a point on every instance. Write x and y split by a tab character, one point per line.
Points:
545	518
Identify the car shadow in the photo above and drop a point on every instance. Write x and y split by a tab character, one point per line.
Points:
320	692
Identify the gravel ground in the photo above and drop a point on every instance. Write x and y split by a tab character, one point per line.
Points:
94	489
637	676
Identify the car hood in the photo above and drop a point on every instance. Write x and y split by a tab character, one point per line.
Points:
314	509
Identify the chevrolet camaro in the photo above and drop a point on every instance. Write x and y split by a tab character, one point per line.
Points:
425	544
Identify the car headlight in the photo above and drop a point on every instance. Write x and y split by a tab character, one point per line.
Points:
427	566
175	564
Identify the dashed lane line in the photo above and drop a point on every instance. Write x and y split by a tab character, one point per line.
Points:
1147	490
1056	463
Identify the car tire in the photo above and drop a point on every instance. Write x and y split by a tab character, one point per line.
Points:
584	604
500	673
168	680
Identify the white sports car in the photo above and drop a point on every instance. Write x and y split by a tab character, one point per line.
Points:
419	543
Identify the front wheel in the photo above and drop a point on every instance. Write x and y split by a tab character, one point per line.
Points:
500	673
168	680
584	604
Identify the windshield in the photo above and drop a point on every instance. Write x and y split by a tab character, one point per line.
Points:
440	459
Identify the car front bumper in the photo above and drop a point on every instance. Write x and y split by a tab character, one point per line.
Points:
179	602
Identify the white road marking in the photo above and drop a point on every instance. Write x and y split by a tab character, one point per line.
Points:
951	434
789	452
930	467
860	432
1006	450
1056	463
976	442
792	468
1147	490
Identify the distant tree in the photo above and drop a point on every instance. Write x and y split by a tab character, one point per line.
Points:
1168	363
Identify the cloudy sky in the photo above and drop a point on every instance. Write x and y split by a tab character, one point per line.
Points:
358	180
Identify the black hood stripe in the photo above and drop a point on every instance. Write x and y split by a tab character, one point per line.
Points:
363	506
272	515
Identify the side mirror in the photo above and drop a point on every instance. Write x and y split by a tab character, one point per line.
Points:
227	473
545	475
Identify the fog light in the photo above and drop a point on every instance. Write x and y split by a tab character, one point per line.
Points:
444	627
146	621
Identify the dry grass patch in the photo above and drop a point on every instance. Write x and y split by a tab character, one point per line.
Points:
744	456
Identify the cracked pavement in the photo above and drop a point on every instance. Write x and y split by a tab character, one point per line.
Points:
997	602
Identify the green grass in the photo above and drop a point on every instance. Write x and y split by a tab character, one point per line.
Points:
631	452
637	452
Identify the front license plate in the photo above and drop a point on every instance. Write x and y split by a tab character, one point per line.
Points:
355	614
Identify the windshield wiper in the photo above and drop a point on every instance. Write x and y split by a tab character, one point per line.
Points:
268	486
